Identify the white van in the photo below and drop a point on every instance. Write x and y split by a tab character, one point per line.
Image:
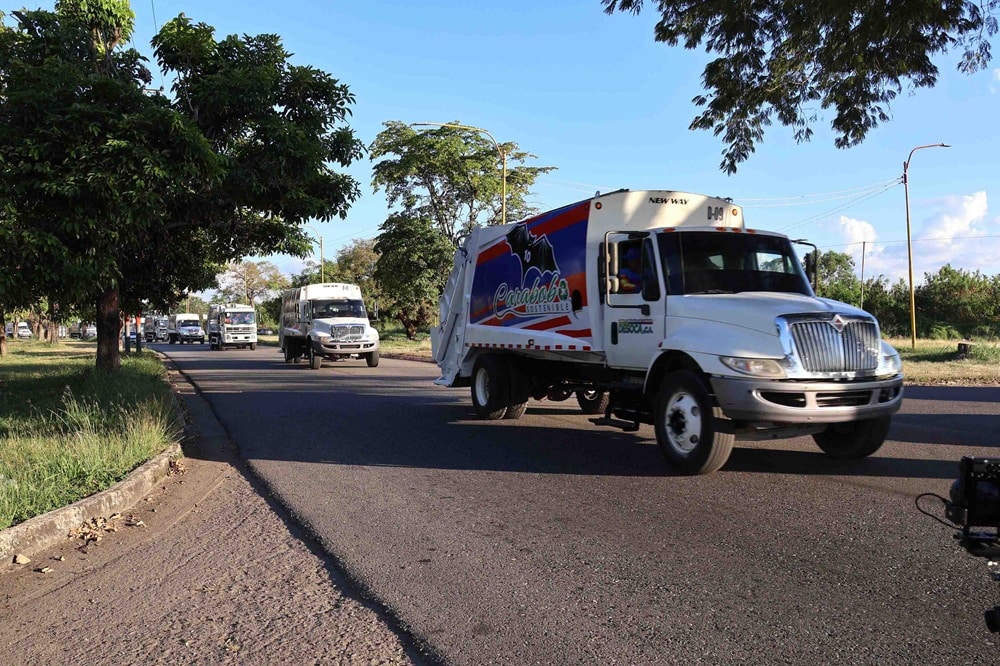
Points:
23	330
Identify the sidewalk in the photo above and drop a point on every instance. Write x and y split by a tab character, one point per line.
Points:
202	570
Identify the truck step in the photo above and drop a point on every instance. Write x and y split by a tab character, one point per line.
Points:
627	426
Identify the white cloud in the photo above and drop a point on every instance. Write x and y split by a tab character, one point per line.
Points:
954	230
996	79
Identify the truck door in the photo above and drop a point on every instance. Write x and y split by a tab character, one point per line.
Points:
633	307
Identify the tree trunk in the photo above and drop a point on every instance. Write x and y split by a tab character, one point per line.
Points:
108	327
3	334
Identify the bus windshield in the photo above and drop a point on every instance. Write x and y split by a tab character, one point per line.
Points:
338	308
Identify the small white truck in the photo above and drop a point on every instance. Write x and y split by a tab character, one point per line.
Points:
231	325
326	321
154	327
185	327
663	308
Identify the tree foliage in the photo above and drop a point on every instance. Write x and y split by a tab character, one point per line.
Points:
251	281
452	177
127	197
837	279
413	265
789	61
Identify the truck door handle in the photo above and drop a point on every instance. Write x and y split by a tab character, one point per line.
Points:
614	332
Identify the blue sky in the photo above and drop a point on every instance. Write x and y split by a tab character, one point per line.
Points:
597	97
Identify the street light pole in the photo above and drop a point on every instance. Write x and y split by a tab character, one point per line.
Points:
503	160
322	273
909	246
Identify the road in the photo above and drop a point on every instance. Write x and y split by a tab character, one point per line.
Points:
547	540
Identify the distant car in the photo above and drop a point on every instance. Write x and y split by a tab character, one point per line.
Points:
23	330
90	331
265	331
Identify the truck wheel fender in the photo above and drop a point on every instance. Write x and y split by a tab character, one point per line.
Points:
664	364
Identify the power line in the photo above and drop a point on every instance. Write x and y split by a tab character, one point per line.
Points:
845	206
813	198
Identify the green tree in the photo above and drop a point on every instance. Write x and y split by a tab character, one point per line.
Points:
127	197
890	304
356	265
953	299
250	281
837	279
413	265
782	60
452	177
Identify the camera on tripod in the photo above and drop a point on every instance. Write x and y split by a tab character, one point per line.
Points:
975	505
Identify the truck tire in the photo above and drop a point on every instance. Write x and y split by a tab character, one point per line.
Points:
371	358
856	439
253	346
593	402
287	351
690	429
315	360
490	387
520	392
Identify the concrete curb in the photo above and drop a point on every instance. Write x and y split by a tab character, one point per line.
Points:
40	532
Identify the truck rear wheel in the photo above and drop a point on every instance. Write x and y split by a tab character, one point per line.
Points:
593	402
315	360
690	429
856	439
371	358
520	392
490	387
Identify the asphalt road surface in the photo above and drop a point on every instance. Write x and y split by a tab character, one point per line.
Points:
548	540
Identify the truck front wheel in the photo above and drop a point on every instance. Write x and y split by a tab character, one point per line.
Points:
490	387
856	439
372	359
691	431
315	360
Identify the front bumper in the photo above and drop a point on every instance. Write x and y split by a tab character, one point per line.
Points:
332	348
775	401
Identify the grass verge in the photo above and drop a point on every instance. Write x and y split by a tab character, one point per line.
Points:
938	362
68	431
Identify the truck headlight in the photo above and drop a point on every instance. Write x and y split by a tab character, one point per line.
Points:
889	364
755	367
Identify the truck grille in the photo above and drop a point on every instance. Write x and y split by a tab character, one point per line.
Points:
349	333
822	348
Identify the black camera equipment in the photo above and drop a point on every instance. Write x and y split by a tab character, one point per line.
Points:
974	510
975	505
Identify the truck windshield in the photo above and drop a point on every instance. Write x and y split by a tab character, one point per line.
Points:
711	262
188	322
338	308
239	317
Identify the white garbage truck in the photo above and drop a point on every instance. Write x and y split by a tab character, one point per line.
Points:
185	327
231	325
663	308
326	321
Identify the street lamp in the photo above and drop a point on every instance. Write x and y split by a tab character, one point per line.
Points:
322	274
503	160
909	247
